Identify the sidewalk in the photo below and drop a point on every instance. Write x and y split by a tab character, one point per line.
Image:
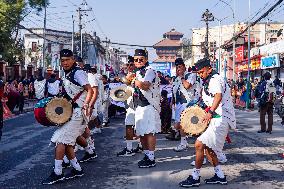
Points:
248	122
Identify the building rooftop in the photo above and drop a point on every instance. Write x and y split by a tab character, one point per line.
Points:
168	43
173	32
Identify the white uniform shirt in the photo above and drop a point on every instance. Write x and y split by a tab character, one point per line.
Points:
53	88
226	110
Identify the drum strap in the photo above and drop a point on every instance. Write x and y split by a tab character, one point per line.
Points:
77	96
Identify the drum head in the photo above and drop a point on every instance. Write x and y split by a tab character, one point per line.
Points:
59	111
191	120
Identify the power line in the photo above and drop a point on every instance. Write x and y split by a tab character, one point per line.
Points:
254	23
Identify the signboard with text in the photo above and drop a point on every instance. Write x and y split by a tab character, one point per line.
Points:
270	61
254	65
239	54
164	67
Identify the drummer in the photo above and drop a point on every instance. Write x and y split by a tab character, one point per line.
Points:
186	88
78	89
220	116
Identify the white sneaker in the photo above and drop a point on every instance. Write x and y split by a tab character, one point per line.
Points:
222	158
204	162
181	148
96	130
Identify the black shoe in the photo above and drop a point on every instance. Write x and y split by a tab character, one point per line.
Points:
146	163
216	180
269	132
53	178
190	182
260	131
88	157
138	149
125	153
65	165
74	173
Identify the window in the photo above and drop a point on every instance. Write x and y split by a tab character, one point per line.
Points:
213	45
34	46
49	47
272	40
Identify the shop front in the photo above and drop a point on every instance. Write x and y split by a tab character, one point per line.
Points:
255	67
272	64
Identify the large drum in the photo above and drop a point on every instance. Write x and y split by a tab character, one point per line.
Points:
191	121
53	111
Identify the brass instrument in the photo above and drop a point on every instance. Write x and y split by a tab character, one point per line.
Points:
127	81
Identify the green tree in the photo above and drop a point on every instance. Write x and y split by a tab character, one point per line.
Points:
12	12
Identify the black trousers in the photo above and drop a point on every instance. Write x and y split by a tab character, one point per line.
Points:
1	118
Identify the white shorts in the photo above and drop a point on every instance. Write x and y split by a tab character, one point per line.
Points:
147	120
68	133
178	110
215	135
130	117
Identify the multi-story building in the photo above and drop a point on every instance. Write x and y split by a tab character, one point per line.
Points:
55	42
261	34
167	51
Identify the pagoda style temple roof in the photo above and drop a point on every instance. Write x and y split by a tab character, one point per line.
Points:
168	43
173	32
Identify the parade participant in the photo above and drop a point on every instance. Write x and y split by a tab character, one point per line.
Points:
266	102
80	63
220	116
105	101
52	86
147	103
185	90
39	86
77	89
166	112
129	118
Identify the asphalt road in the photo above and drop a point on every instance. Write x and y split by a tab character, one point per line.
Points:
253	159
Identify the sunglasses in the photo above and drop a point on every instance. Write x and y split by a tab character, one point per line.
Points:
138	59
129	65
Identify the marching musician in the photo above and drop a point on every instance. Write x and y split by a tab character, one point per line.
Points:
39	86
129	118
147	103
52	86
186	88
77	89
220	116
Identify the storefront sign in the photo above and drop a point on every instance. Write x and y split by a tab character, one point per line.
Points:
270	61
254	65
239	54
164	67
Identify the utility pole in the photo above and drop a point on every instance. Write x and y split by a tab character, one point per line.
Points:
80	12
44	36
234	43
207	17
73	30
248	76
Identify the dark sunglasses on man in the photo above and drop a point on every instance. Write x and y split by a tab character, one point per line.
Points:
138	59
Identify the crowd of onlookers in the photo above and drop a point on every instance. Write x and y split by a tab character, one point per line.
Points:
15	93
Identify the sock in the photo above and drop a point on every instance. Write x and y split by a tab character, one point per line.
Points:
129	145
139	145
58	167
195	173
89	149
183	141
151	155
65	159
90	141
146	152
219	171
75	164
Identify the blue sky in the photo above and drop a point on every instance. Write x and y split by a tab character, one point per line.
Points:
143	22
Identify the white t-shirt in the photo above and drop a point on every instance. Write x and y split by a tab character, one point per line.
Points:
93	80
53	88
81	77
150	75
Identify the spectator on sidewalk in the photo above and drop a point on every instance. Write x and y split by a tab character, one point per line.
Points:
21	99
266	101
166	112
277	83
